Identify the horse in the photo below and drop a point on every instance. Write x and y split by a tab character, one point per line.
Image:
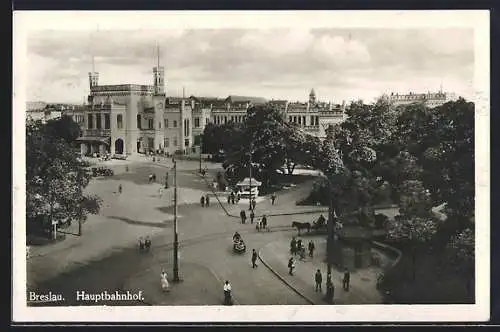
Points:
302	225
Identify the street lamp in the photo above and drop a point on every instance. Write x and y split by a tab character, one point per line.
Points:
201	147
176	239
250	173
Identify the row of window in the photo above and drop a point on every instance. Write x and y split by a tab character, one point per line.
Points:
220	119
175	142
301	120
98	121
150	124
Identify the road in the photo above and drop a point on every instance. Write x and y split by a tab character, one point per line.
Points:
106	256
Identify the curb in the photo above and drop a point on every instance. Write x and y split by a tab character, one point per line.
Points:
257	216
284	280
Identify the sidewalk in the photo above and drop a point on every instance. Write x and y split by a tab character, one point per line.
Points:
363	290
200	286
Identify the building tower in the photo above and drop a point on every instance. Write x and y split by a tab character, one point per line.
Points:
93	76
159	75
312	97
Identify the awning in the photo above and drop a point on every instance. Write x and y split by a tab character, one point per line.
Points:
246	182
105	140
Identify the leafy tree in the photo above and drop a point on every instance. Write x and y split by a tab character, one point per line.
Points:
267	143
55	182
63	127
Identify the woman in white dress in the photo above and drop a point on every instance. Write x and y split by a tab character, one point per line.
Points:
164	281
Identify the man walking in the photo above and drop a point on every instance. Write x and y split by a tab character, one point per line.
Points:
291	266
254	203
319	279
346	280
252	216
330	289
264	222
293	246
202	201
243	216
207	200
273	198
311	248
254	258
120	188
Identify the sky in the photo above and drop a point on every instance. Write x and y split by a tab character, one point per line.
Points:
275	63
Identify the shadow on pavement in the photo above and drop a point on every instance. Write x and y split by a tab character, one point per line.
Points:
163	224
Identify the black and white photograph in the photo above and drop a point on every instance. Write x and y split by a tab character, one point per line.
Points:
251	166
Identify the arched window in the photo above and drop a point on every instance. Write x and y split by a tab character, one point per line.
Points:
119	121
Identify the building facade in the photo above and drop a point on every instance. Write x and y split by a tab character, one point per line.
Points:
314	117
429	99
133	119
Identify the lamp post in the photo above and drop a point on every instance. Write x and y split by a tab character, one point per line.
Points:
250	173
176	239
201	147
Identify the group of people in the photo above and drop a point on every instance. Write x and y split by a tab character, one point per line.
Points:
330	288
205	201
297	248
233	198
144	243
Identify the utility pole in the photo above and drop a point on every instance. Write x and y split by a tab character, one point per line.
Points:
201	146
176	240
250	173
330	229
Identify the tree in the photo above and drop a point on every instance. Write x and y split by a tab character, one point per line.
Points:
461	252
63	127
441	141
55	182
415	223
266	143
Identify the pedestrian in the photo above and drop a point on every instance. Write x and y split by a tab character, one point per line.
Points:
293	246
311	248
150	179
264	222
243	216
302	253
254	258
252	216
154	177
330	289
202	201
273	198
126	168
228	199
207	200
120	188
346	280
291	266
231	197
319	279
299	246
254	203
141	243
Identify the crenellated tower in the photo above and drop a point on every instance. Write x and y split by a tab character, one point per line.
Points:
159	76
93	76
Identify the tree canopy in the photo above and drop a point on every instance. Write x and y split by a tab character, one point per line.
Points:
55	180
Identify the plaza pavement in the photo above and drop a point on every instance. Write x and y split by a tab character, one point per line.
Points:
106	257
363	281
